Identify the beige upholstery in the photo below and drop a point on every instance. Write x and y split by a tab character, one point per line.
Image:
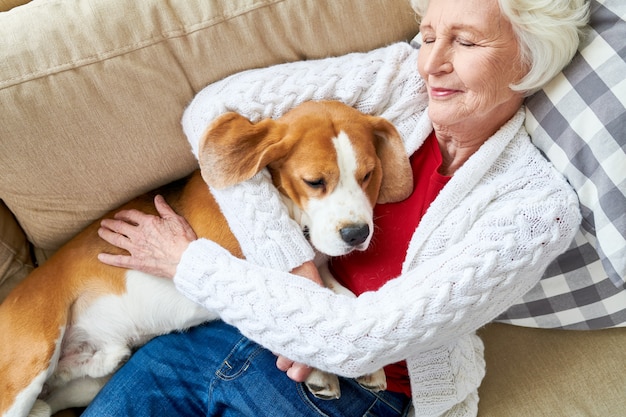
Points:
553	373
92	92
96	89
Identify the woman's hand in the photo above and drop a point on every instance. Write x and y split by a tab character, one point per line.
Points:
155	243
296	371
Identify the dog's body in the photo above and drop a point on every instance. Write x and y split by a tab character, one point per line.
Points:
69	325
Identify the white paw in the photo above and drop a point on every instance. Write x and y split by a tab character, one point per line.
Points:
374	382
40	409
323	385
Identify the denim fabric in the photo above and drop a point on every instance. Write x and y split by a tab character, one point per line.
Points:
212	370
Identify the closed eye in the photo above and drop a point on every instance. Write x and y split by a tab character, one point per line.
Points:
316	184
465	43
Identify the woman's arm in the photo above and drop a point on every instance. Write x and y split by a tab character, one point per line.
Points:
490	266
384	81
378	82
501	257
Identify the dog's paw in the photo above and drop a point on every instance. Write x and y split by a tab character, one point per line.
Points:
40	409
374	382
323	385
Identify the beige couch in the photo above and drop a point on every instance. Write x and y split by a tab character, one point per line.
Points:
92	92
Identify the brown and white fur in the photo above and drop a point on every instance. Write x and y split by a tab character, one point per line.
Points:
73	321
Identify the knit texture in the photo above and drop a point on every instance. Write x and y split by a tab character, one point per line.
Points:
261	222
483	243
377	83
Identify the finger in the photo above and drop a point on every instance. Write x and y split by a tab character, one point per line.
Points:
121	261
164	209
299	372
120	227
132	216
283	363
114	238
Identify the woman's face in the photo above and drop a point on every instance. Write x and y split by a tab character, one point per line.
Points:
468	59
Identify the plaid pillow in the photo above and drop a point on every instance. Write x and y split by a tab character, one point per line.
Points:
579	122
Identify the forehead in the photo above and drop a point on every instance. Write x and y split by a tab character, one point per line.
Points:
469	15
321	136
354	155
321	150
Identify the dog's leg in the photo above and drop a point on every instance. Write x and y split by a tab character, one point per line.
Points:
77	393
26	403
40	409
89	361
16	399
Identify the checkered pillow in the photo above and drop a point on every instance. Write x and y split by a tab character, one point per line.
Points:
579	122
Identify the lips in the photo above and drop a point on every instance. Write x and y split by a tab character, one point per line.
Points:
440	92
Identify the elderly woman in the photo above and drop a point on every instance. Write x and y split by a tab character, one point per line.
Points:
487	215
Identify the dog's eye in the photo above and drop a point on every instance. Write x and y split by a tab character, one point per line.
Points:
367	177
319	183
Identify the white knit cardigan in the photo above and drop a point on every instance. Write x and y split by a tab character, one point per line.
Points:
484	241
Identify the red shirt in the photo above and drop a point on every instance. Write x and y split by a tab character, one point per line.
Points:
394	224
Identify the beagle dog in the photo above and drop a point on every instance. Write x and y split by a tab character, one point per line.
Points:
73	321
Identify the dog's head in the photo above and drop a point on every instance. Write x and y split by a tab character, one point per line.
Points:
331	162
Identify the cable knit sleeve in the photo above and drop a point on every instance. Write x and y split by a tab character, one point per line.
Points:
495	250
382	82
255	214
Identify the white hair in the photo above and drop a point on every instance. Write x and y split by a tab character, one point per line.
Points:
548	33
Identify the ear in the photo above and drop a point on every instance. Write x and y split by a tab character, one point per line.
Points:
233	149
397	181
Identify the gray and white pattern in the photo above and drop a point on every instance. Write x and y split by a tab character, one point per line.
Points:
579	122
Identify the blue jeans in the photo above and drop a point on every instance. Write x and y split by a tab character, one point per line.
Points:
212	370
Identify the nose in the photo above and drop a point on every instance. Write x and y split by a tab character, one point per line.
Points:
436	59
355	234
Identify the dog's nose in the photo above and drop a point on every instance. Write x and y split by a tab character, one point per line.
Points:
355	234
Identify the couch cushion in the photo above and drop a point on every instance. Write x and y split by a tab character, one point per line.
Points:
93	91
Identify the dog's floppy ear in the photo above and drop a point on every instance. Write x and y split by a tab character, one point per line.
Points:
233	149
397	181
